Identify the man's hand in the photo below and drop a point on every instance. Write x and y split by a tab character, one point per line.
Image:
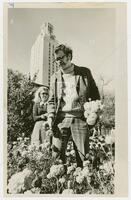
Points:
48	124
43	116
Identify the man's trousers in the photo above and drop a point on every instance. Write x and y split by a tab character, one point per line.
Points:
78	129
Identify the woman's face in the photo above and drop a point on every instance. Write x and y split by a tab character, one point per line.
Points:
44	96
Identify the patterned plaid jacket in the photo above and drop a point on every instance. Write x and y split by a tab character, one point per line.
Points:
85	87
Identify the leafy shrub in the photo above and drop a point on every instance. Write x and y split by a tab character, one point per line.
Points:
19	108
50	176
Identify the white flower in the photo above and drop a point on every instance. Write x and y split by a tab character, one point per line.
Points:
77	171
19	138
26	172
62	180
113	135
28	192
87	106
31	147
39	155
79	179
94	106
16	183
14	143
107	166
70	169
85	163
56	170
85	171
26	139
67	153
49	176
57	142
68	191
91	120
23	153
86	114
35	190
45	145
42	145
110	139
72	152
74	165
88	178
68	147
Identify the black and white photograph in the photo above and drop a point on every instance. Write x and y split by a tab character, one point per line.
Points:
66	116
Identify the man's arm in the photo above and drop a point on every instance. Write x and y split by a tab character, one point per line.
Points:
94	92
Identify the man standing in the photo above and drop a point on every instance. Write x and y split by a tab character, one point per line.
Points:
71	86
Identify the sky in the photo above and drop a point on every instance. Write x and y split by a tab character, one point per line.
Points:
89	32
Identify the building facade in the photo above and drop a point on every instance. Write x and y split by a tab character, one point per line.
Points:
42	64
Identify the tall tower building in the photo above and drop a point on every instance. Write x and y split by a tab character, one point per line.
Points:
42	55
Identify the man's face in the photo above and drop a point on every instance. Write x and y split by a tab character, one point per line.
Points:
62	59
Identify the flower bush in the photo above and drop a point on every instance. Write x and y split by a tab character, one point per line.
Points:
31	169
92	111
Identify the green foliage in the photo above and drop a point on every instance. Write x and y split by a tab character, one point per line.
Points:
19	108
108	115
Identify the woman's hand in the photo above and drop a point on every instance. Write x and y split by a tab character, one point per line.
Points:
48	124
43	116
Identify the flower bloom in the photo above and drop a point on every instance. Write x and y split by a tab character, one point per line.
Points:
107	166
72	152
26	139
77	171
70	169
39	155
49	176
56	170
85	171
17	181
23	153
80	178
110	139
85	163
62	180
91	111
28	192
91	120
31	147
68	191
14	143
67	153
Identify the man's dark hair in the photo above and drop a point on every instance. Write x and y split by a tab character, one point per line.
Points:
65	49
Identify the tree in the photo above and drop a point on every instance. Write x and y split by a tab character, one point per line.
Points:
19	109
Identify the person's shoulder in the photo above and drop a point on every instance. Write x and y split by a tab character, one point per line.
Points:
82	70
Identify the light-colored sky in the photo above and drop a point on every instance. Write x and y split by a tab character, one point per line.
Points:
90	33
